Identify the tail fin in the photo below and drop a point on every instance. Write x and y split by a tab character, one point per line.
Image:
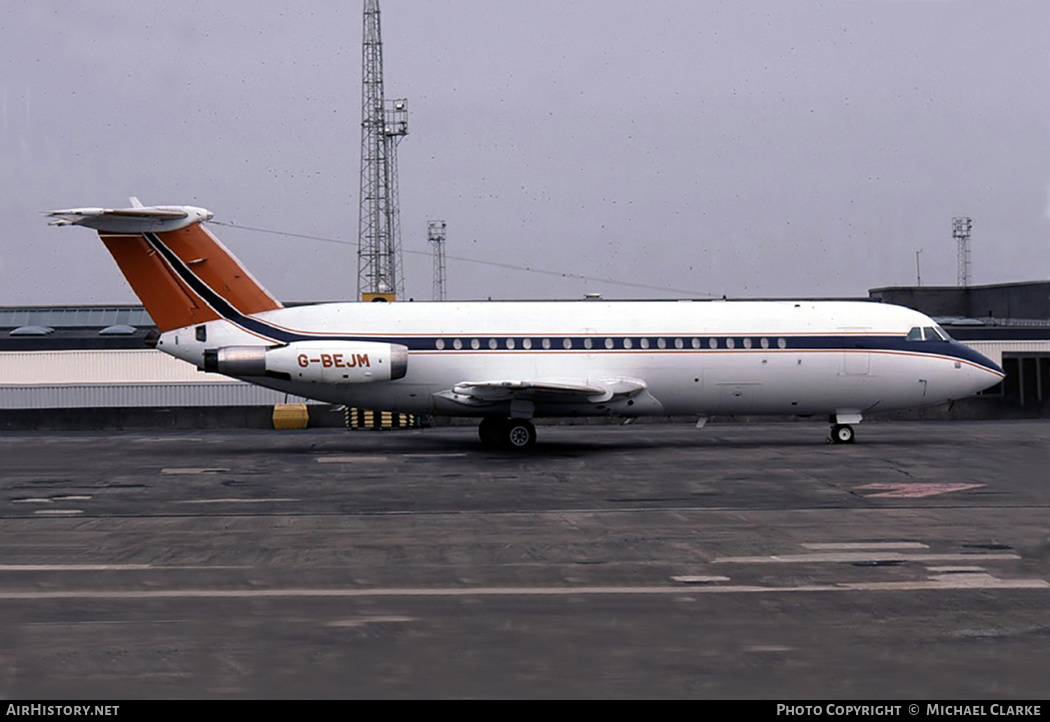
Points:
178	269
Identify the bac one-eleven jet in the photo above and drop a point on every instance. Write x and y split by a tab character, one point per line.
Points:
509	362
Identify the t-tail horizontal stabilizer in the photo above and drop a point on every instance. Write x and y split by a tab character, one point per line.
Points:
137	219
182	274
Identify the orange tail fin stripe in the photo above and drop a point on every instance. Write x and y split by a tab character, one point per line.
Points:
169	301
212	263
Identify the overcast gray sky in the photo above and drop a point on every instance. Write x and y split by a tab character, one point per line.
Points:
748	148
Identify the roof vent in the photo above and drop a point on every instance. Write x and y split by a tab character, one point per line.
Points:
119	329
32	331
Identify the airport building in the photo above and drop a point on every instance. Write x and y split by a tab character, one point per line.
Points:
94	366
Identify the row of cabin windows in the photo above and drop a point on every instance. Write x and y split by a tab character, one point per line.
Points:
607	343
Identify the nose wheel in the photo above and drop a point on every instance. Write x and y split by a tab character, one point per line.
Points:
842	434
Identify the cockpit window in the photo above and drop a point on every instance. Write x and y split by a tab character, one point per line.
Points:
928	333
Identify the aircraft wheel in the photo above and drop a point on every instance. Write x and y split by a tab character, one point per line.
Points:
519	434
490	430
842	434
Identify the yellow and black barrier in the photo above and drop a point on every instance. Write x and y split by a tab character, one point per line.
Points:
369	419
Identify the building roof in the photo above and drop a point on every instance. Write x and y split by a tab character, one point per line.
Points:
75	328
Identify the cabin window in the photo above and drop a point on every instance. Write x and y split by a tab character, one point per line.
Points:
730	343
526	343
782	343
475	344
588	343
457	344
493	344
696	343
679	343
546	343
510	343
660	343
713	343
202	333
567	343
747	343
644	343
764	343
627	343
439	344
608	343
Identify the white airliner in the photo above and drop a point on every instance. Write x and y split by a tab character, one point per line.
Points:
509	362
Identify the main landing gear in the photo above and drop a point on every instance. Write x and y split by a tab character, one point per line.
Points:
515	434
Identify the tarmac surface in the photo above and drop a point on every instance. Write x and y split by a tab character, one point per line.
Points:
654	561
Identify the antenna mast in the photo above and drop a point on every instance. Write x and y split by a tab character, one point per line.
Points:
383	124
436	238
961	228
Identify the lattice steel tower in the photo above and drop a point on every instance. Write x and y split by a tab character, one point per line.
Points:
436	238
383	124
961	228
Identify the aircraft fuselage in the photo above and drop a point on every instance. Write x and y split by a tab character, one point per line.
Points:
700	357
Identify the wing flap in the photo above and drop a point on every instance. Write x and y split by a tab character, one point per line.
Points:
501	390
542	391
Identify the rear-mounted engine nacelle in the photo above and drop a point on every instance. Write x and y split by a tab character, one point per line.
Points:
322	362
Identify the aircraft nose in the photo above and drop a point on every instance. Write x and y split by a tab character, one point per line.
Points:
991	373
990	366
982	372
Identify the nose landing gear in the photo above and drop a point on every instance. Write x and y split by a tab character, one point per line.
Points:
841	431
842	434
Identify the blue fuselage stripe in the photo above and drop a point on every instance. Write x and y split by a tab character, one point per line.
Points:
577	343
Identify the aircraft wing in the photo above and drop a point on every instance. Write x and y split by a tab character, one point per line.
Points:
541	391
